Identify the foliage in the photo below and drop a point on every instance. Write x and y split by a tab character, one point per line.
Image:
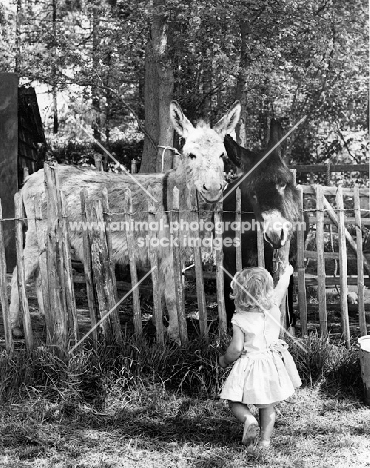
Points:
332	366
299	58
89	375
82	154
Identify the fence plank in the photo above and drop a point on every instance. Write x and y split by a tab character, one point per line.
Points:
154	264
321	292
327	255
282	260
219	270
343	268
317	168
310	190
177	271
102	273
238	235
199	278
302	297
347	235
107	224
347	220
68	274
23	301
127	208
87	263
360	264
9	345
56	325
98	162
43	282
260	246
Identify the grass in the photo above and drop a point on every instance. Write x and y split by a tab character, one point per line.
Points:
154	428
143	406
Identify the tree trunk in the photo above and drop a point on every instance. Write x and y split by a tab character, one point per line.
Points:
17	66
94	87
54	69
241	92
159	82
148	161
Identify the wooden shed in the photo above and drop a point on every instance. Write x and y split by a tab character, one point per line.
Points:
20	134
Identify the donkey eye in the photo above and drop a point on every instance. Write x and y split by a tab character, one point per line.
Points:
223	155
192	156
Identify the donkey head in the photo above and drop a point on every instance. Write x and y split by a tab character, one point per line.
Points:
203	151
268	184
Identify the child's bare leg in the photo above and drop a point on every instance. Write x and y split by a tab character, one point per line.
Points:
242	413
267	416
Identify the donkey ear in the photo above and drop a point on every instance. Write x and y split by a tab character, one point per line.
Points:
228	122
181	124
231	148
241	157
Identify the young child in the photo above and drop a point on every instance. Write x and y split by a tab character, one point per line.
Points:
264	372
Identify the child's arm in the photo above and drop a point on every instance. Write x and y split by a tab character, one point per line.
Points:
283	283
235	348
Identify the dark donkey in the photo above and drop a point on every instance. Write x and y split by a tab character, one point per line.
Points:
268	196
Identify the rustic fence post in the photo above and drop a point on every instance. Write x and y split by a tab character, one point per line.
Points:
260	246
107	223
302	297
25	174
102	273
68	273
43	283
282	260
9	345
199	279
154	264
87	263
23	301
360	264
219	269
321	290
343	267
98	162
177	270
128	210
57	330
238	223
133	166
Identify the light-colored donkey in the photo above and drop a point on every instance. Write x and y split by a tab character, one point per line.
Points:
200	165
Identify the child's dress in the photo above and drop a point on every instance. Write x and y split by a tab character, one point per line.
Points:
265	373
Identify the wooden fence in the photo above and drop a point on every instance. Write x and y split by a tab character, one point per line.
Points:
56	286
330	220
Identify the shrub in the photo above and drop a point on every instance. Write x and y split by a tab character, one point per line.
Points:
332	366
90	376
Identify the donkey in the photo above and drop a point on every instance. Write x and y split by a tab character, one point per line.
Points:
200	165
268	196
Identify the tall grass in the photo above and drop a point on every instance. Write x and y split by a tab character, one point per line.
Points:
330	365
90	376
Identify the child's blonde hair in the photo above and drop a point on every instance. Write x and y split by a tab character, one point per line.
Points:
252	289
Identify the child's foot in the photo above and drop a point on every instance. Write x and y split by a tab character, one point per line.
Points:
264	444
250	431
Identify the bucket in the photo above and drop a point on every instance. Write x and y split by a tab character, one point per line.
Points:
364	343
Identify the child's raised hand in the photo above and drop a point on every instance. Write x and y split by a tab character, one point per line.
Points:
289	269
